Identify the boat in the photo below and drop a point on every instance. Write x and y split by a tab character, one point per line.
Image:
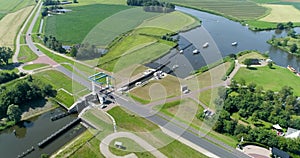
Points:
291	69
196	51
234	43
205	45
181	51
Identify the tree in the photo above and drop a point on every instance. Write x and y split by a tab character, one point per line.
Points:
5	54
289	24
14	113
247	62
280	26
293	48
73	52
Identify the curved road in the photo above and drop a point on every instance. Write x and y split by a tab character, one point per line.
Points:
139	109
104	146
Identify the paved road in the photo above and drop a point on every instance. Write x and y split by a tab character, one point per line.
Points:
138	109
104	146
180	130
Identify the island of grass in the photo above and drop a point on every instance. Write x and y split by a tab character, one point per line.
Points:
290	43
26	55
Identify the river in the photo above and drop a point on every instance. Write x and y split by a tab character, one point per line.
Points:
222	32
30	132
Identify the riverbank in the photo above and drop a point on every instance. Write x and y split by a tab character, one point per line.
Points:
50	105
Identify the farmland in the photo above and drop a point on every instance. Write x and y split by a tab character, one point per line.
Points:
97	31
8	6
236	9
173	22
10	25
282	13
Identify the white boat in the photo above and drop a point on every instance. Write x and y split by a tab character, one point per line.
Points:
234	43
195	51
205	45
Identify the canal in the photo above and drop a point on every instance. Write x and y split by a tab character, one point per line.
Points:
30	132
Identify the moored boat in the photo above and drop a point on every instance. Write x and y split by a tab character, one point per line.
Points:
291	69
205	45
234	43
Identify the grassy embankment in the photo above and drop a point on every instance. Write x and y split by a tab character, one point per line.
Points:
130	122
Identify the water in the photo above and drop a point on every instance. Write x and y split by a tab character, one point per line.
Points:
220	33
29	133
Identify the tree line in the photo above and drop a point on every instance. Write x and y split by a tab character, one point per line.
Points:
52	43
153	5
13	98
253	103
9	76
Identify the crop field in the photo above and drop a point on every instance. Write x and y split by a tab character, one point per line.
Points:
88	2
98	31
173	22
273	79
238	9
10	24
14	5
282	13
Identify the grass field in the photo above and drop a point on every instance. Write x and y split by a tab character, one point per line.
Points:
252	55
10	25
98	31
26	54
140	56
85	70
282	13
65	98
88	2
130	145
78	21
186	111
122	22
208	78
132	122
157	89
273	79
34	66
174	21
237	9
58	80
